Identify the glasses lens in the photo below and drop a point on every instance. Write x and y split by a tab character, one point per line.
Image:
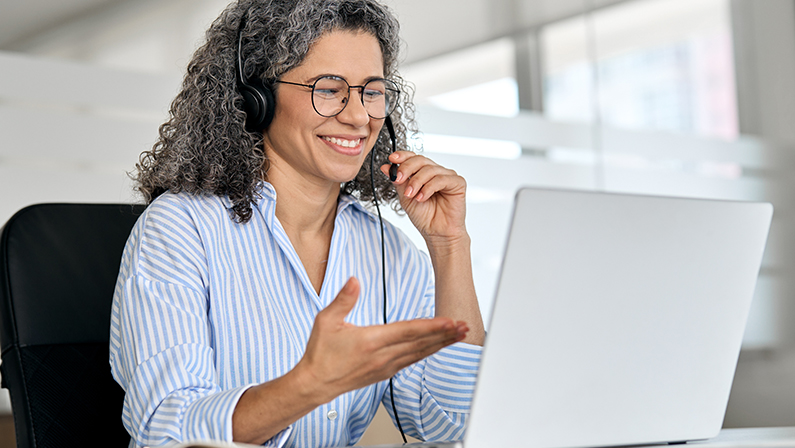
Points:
380	97
329	95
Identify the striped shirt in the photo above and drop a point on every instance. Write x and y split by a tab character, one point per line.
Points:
205	308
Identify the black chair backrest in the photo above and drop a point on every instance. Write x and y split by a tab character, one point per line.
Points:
58	269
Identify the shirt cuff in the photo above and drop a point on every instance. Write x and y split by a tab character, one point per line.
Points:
210	417
450	375
280	439
201	415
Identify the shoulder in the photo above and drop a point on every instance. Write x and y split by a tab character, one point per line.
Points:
179	219
185	213
168	241
176	206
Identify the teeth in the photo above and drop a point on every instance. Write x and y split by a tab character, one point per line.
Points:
344	143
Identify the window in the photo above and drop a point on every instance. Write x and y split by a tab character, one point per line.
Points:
660	65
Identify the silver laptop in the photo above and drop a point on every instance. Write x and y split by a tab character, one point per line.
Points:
618	320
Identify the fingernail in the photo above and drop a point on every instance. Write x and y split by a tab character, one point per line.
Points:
419	197
409	190
399	177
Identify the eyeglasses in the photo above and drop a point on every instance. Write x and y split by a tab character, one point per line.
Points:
330	95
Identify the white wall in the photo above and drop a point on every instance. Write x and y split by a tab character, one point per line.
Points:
70	132
72	137
763	393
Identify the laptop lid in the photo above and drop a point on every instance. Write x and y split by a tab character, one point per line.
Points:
618	319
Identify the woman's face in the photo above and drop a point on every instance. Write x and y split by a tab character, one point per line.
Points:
299	142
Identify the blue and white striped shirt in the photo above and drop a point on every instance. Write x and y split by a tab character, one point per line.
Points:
205	308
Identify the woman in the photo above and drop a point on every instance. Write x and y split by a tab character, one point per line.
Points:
249	304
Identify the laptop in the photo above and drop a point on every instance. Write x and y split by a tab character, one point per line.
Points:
618	320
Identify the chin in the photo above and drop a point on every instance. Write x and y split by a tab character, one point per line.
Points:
348	178
346	174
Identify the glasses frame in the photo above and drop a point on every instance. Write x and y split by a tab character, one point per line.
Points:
348	96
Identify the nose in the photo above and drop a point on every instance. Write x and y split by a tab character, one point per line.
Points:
354	112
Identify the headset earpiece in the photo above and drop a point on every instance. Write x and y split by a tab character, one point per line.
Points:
258	100
259	104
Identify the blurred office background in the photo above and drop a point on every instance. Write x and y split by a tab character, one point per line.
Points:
675	97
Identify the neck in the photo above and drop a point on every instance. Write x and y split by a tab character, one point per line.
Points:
304	205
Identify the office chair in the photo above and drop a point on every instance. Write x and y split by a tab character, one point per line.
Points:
58	268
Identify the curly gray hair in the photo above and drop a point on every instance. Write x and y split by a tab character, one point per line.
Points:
204	147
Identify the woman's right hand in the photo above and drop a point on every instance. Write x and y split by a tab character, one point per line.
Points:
341	357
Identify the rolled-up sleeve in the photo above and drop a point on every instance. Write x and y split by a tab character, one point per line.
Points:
433	397
165	365
161	340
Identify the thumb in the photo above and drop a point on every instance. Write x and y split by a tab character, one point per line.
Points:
345	300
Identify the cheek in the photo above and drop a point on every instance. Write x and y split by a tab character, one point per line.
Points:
295	129
295	114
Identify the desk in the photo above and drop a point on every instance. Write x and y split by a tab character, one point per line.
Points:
750	438
728	438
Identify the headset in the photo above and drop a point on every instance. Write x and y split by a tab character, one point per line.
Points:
392	176
259	104
258	99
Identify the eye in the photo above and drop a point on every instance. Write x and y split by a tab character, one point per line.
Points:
326	93
330	88
372	94
374	90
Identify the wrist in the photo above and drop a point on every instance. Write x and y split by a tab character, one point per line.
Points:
309	386
448	245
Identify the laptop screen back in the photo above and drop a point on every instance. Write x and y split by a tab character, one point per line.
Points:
618	319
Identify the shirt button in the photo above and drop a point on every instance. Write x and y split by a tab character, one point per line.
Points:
332	415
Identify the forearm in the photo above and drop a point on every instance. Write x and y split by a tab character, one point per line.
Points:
266	409
455	287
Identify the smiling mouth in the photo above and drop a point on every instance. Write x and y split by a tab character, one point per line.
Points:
342	142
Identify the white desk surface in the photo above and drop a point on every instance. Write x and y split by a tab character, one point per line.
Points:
728	438
750	437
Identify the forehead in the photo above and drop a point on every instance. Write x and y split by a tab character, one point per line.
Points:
353	55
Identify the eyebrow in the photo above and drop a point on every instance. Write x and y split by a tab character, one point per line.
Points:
366	80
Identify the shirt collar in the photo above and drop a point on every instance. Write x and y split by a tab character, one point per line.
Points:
267	193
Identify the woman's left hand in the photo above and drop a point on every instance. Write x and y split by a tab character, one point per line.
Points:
433	196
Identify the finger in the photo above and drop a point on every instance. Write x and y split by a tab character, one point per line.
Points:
391	358
342	305
406	354
413	330
385	169
410	163
396	158
444	178
402	156
446	184
423	343
411	343
400	176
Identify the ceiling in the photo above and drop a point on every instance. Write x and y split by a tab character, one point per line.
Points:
23	19
428	27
